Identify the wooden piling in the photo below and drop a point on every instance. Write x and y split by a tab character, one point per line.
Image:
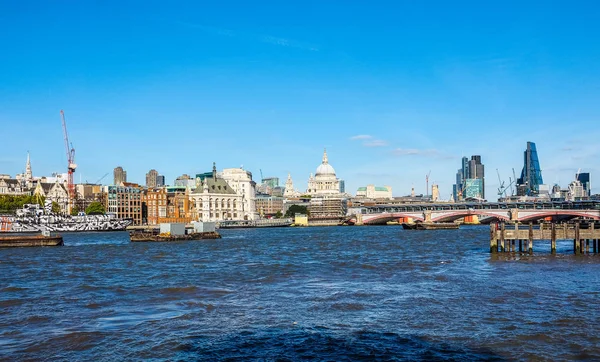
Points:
502	235
586	245
576	241
493	239
553	238
530	242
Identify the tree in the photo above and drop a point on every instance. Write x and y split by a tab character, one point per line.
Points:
55	207
278	215
75	210
296	209
95	208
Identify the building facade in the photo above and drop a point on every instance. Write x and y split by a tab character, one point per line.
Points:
125	201
531	175
215	200
152	179
584	178
119	176
53	192
272	182
289	190
375	192
169	205
241	182
268	205
470	179
324	182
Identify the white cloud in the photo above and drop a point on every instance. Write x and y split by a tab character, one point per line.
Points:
361	137
415	152
375	143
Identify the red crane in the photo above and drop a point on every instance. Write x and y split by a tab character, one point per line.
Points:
71	160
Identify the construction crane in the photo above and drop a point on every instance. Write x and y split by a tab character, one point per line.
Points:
100	179
502	189
515	182
427	183
71	162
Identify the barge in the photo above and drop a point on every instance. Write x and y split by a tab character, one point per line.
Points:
430	226
143	236
31	240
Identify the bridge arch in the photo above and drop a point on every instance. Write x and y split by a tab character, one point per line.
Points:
563	214
458	214
382	218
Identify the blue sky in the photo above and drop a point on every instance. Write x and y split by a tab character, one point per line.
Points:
393	89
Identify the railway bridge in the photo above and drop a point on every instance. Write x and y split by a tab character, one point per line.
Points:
486	211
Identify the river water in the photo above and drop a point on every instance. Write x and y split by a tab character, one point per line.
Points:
332	293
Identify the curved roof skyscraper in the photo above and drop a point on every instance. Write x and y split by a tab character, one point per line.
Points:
531	175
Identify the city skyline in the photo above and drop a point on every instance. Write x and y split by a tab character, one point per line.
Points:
177	89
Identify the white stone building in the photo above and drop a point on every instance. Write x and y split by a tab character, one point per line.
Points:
290	192
53	192
215	200
324	182
241	182
375	192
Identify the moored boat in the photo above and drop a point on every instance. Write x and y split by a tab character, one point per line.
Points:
430	226
31	240
137	236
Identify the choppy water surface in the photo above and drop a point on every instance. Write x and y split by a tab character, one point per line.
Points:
337	293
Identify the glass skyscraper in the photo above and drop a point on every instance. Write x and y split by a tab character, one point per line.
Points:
470	179
531	175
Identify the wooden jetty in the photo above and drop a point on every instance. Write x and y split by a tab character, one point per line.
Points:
504	238
31	240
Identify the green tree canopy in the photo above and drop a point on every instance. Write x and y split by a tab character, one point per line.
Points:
278	215
55	207
296	209
10	203
95	208
75	210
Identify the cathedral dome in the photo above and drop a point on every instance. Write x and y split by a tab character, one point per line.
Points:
325	169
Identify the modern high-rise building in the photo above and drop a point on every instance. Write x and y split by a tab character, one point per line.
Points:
152	178
272	182
342	187
531	175
470	179
120	176
584	178
160	181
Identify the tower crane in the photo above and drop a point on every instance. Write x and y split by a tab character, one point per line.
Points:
71	162
427	183
101	178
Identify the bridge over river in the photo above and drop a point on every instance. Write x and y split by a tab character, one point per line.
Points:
486	211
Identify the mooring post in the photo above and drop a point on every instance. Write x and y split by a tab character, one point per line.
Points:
493	238
530	243
553	238
502	235
520	246
576	244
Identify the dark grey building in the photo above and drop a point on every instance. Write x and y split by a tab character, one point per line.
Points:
584	178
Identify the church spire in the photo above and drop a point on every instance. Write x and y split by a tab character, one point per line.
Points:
28	173
325	160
